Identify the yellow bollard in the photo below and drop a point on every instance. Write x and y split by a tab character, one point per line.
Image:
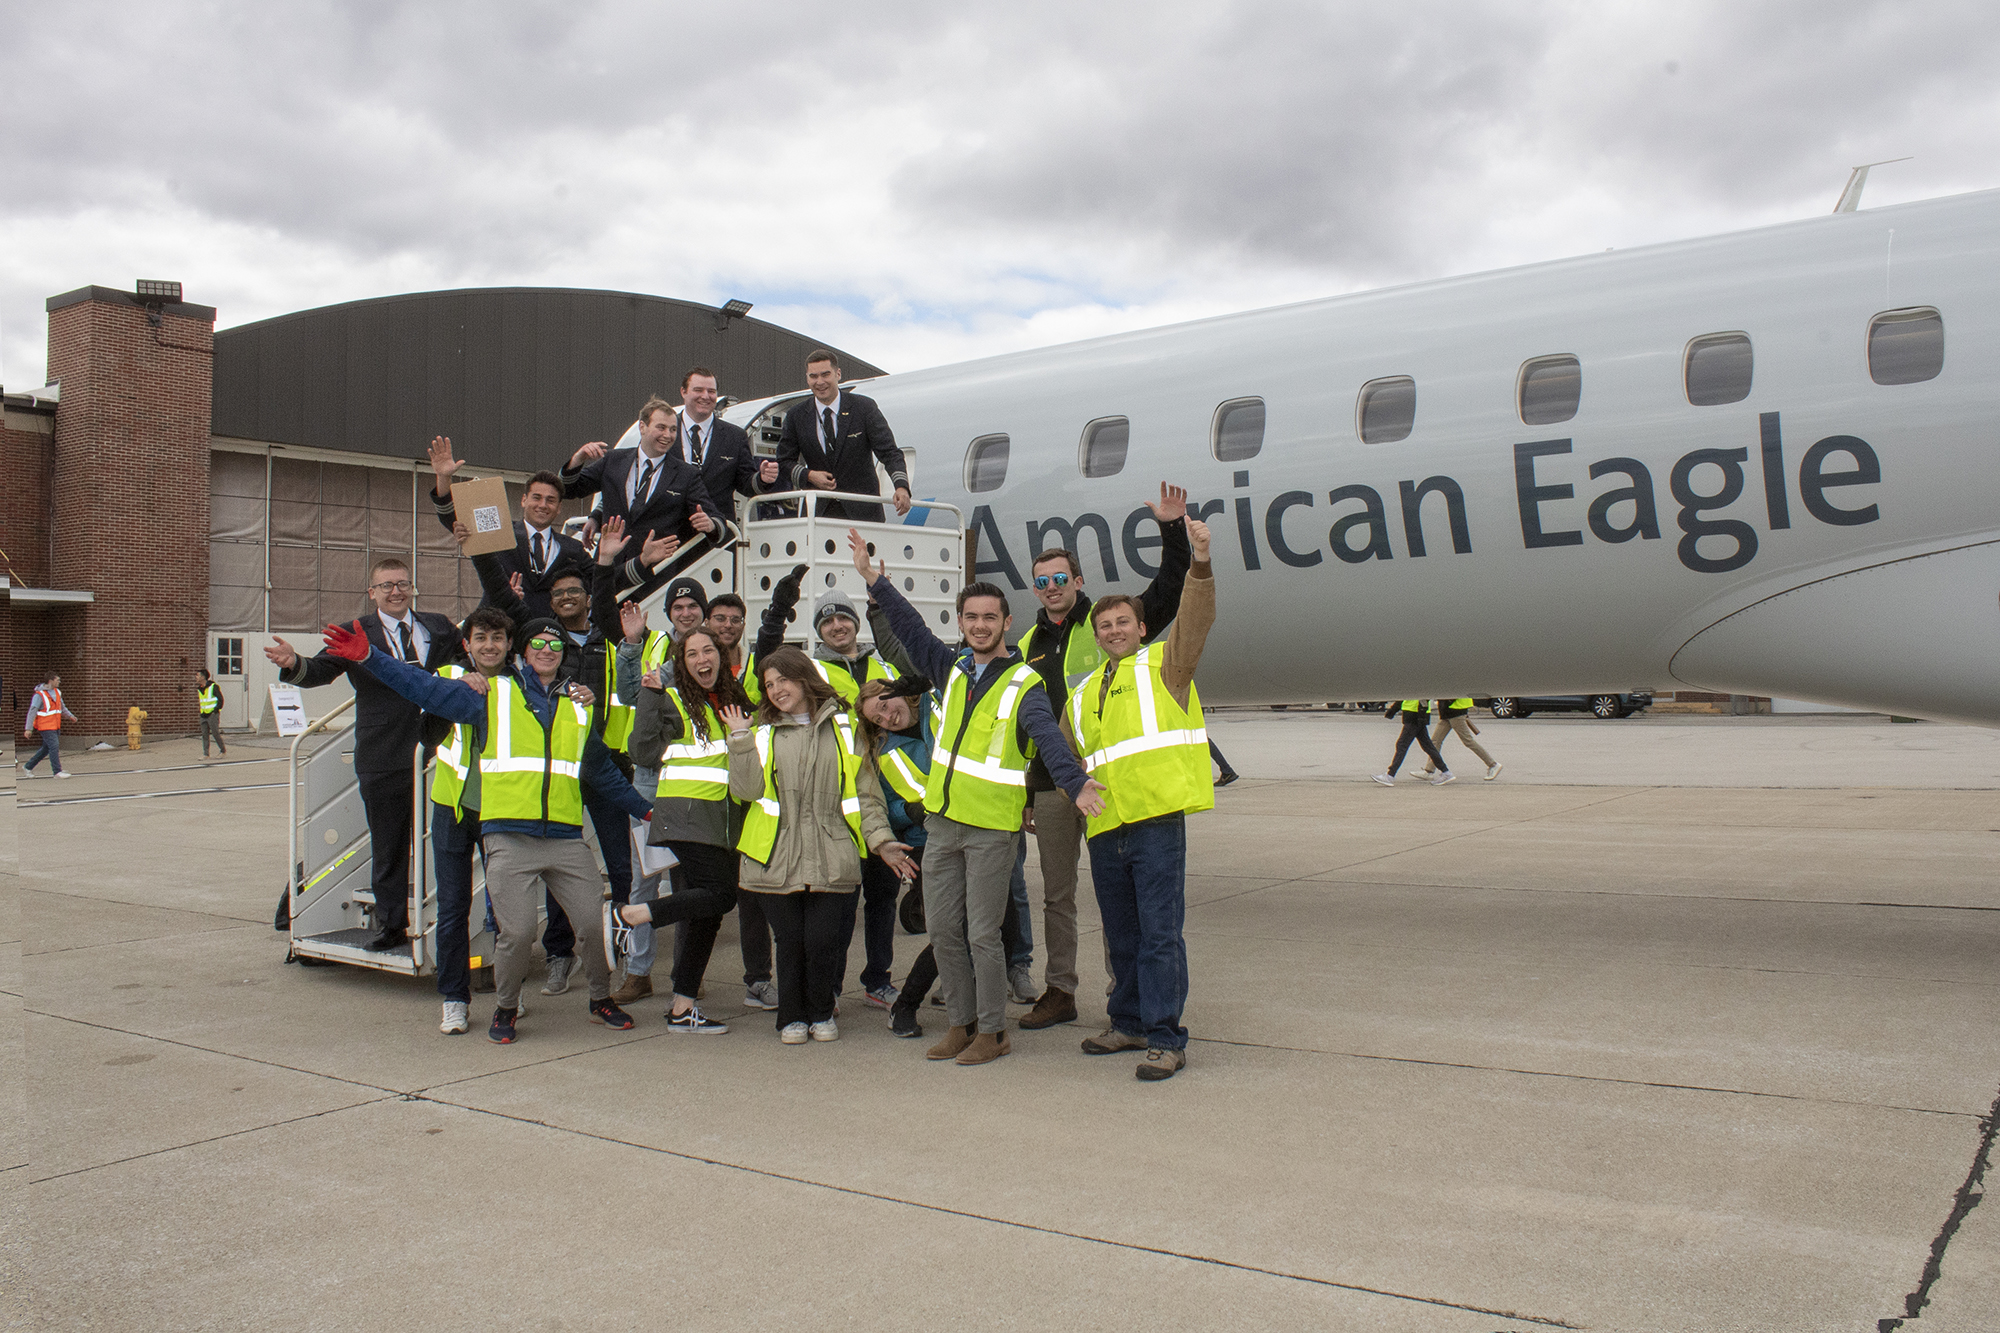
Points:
132	720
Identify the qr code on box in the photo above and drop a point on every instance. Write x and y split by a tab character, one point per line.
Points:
486	519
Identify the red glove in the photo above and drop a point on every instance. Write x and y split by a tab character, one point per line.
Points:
347	641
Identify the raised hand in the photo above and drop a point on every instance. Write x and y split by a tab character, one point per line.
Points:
736	720
589	533
654	680
1198	538
785	595
514	582
859	550
281	654
1172	504
612	541
347	641
1091	799
590	453
459	532
443	464
658	548
632	620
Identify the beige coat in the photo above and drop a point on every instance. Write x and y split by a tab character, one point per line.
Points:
813	846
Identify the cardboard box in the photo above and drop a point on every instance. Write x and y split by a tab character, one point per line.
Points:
482	507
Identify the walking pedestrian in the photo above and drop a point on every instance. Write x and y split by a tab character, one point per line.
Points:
1455	717
1416	716
208	700
46	712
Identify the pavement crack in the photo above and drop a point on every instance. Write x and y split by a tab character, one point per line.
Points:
210	1050
1542	1321
214	1138
1963	1202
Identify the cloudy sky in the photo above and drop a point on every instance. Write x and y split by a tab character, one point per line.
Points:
921	183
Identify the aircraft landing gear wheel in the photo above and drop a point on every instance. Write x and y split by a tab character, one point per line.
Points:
1604	705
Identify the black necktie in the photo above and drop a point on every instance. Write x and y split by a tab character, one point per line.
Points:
541	555
409	642
826	421
645	481
694	444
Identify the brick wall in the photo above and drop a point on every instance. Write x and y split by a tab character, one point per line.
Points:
129	481
25	449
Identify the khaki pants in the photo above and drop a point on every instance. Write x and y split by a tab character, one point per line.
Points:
518	867
1462	724
1058	840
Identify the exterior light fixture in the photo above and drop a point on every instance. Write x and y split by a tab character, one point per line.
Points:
730	310
154	293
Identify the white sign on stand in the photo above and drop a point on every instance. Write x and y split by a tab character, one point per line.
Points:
288	707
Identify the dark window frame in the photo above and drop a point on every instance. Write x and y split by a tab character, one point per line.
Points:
973	458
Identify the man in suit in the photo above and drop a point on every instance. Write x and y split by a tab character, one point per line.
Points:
539	544
387	730
720	451
653	488
830	442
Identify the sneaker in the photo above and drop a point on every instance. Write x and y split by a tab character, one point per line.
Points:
695	1021
1161	1063
1382	778
882	997
609	1014
455	1018
63	774
1444	776
1225	779
903	1021
1493	771
559	974
1111	1041
761	995
827	1031
793	1034
1021	985
502	1027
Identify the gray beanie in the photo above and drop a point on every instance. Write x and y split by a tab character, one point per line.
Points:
832	602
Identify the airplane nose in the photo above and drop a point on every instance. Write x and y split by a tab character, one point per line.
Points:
1920	635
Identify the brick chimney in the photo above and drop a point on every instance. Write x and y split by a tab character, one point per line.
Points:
129	479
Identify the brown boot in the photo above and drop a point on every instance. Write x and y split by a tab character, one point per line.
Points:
635	989
1055	1006
955	1040
986	1048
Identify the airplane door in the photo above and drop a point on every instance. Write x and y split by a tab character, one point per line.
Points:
225	661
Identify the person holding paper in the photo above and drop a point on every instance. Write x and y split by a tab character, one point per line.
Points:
540	548
681	733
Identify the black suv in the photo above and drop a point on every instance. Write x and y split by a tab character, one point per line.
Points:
1603	705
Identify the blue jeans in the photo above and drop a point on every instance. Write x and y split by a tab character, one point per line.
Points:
52	747
452	845
1140	872
1023	954
645	888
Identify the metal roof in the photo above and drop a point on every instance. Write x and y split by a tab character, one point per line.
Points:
518	377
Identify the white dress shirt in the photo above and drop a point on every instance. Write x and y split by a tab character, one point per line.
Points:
392	634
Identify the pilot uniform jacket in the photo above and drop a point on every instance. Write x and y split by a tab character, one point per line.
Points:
728	463
864	437
668	510
387	727
521	560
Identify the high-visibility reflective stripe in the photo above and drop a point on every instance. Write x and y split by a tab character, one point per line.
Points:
981	768
912	785
689	773
529	764
1159	740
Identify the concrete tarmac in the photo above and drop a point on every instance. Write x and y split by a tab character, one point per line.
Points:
1681	1024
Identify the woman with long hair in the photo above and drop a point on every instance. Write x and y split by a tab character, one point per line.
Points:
680	731
810	819
896	730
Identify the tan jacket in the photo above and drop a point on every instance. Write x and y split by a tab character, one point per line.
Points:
813	846
1181	649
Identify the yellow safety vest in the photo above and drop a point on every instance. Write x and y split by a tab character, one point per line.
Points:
979	770
1081	654
692	768
619	716
843	682
760	820
906	769
209	698
528	771
1460	705
1149	752
454	758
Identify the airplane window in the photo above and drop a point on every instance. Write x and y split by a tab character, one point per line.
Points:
1388	409
1718	369
1549	391
1905	346
986	463
1104	442
1237	432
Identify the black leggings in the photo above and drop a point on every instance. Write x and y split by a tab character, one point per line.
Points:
810	929
708	876
1417	727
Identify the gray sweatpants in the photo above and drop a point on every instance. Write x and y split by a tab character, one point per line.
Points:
518	867
967	875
